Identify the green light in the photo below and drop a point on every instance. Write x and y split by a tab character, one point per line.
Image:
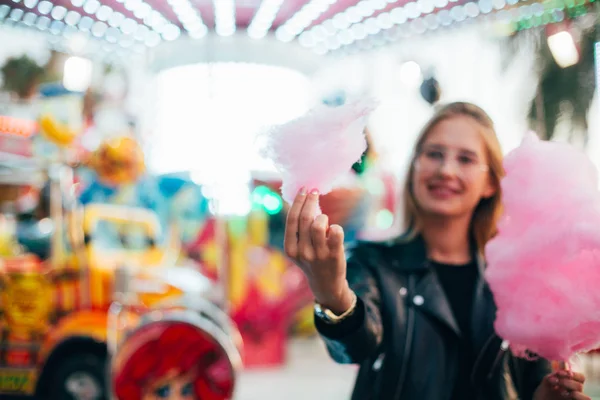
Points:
546	18
272	203
264	197
261	191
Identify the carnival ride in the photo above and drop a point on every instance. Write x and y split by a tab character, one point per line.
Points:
59	270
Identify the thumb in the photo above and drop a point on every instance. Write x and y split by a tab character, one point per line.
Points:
335	239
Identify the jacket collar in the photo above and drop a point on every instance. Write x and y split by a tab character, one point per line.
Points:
412	256
413	253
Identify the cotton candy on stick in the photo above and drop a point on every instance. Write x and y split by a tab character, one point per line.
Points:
544	264
319	148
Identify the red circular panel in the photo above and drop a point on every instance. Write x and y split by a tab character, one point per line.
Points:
172	360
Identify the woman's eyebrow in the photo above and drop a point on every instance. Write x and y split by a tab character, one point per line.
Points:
463	151
433	146
469	153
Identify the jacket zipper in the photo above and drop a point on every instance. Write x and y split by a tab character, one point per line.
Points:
480	356
408	343
503	348
499	356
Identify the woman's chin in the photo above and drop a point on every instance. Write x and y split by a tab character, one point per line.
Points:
441	209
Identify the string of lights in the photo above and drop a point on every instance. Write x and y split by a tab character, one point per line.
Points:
325	26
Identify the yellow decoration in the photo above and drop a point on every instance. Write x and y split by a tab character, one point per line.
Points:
119	161
258	228
304	321
238	274
28	301
270	277
56	132
155	290
210	255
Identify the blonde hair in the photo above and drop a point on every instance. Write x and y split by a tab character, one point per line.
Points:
487	212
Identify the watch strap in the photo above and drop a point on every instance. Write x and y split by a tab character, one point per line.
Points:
330	317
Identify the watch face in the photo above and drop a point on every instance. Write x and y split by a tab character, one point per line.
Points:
326	315
320	313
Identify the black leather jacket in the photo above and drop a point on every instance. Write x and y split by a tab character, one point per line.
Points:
404	336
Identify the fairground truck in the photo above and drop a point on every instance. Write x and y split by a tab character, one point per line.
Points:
57	274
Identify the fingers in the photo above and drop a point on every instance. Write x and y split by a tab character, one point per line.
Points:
579	396
568	384
308	235
309	211
577	376
335	240
318	233
570	380
570	375
290	241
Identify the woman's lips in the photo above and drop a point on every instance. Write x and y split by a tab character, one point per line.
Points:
442	191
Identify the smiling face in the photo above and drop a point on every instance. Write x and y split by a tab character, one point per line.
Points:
450	174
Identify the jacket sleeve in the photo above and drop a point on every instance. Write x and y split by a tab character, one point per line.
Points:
357	337
533	374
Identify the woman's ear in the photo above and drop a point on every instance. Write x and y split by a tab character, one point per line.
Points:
489	190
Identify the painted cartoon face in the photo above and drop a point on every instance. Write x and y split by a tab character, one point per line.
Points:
170	360
172	387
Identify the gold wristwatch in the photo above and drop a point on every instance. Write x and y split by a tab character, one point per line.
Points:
330	317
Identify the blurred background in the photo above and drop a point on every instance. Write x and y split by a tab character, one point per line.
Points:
128	138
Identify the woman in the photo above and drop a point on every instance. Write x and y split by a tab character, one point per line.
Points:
416	313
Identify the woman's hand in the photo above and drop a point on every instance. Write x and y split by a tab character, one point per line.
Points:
561	384
318	249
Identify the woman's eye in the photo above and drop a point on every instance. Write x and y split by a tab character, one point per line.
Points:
436	155
187	389
466	160
163	392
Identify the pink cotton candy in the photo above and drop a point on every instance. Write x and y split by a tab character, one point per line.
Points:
544	264
316	150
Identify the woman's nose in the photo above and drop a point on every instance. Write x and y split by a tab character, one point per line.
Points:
448	167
